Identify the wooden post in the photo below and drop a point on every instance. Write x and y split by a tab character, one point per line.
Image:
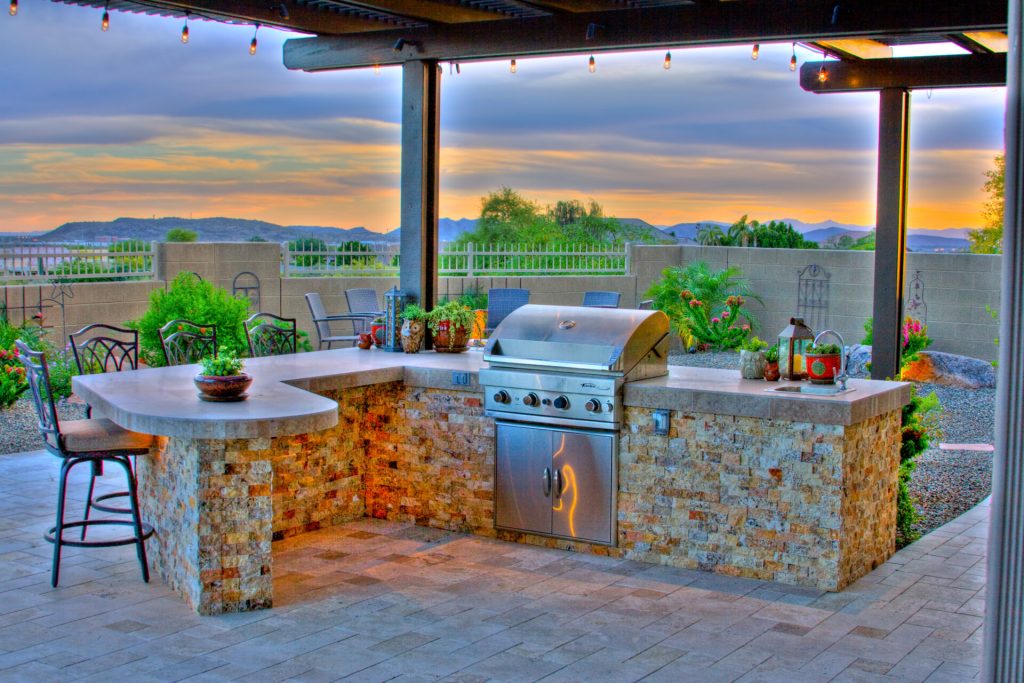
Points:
421	142
1004	618
890	231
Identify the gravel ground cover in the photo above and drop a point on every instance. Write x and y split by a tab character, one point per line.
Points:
945	483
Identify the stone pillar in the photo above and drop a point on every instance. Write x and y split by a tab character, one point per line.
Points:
890	231
1004	614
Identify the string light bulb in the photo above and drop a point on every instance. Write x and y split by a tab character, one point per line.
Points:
105	22
184	31
822	74
376	69
252	45
792	60
512	68
592	65
667	64
14	7
756	52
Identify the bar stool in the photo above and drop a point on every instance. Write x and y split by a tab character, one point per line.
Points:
84	441
102	348
185	342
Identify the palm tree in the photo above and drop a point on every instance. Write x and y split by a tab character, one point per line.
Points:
742	233
710	236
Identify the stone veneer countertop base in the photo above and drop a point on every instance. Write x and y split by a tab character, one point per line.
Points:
163	401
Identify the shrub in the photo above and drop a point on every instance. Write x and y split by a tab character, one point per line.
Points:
414	312
915	339
62	367
181	235
12	377
920	424
198	301
679	286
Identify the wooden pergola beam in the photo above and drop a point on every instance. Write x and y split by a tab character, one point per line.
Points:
717	23
948	71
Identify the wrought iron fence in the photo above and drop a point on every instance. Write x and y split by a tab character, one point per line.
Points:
313	259
22	263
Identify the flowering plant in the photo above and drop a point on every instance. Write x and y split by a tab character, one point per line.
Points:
718	328
915	339
12	377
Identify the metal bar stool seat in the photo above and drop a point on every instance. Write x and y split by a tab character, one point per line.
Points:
85	441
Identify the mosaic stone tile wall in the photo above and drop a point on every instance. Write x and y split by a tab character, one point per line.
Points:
430	459
798	503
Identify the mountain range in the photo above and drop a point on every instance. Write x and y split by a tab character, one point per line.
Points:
237	229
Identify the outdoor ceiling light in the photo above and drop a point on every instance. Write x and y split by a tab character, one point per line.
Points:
668	61
184	30
105	22
512	66
756	51
592	65
822	74
792	60
14	7
252	45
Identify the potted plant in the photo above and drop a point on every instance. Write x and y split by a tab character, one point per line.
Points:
414	328
752	360
377	329
823	362
450	322
222	379
771	363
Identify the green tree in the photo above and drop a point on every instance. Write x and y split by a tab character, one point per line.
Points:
742	233
256	238
989	240
711	236
866	243
181	235
311	251
347	256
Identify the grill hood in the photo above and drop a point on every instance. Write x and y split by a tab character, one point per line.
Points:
617	342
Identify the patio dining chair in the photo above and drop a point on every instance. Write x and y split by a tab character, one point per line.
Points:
185	342
598	299
645	305
101	348
326	337
363	301
270	335
85	441
501	302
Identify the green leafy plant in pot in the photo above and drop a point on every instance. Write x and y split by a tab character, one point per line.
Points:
222	379
823	362
451	322
752	360
414	328
771	363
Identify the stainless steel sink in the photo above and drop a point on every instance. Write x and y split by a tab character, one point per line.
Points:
810	389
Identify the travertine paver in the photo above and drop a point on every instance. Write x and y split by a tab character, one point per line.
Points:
383	601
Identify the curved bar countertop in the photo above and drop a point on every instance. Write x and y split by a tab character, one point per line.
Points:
163	401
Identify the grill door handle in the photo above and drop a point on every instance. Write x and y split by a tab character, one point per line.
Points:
547	481
558	484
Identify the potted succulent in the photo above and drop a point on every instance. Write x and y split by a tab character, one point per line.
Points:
771	363
752	360
377	330
823	362
451	322
222	379
414	328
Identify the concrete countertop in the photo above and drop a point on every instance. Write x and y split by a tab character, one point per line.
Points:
282	401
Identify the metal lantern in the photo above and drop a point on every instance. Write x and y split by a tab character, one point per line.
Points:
394	304
793	343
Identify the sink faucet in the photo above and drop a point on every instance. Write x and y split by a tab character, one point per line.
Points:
842	376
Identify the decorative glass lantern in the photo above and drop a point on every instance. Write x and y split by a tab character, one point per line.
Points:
793	343
394	304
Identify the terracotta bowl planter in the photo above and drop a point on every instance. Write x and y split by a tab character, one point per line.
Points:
231	388
823	368
447	342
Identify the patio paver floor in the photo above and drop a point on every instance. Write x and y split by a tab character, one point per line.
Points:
381	601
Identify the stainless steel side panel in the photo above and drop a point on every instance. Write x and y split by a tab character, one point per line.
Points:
522	480
582	500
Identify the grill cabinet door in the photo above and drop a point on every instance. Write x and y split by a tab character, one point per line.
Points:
582	502
522	478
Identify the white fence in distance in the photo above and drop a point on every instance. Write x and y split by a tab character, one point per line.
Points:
22	263
465	260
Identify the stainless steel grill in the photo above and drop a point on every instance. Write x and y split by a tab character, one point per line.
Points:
566	365
555	385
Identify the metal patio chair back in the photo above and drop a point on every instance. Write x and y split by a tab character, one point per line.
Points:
105	348
598	299
502	301
363	300
185	342
270	335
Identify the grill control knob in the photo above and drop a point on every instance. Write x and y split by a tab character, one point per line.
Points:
593	406
561	402
610	407
502	397
531	399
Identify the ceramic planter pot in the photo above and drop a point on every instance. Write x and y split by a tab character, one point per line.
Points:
771	371
446	341
377	334
365	341
412	335
752	364
231	388
823	368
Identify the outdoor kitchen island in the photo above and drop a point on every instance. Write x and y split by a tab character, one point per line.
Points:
747	482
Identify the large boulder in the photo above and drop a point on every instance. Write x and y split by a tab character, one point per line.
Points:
857	359
950	369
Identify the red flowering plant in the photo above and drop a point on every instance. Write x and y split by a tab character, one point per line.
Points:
720	328
12	377
915	339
